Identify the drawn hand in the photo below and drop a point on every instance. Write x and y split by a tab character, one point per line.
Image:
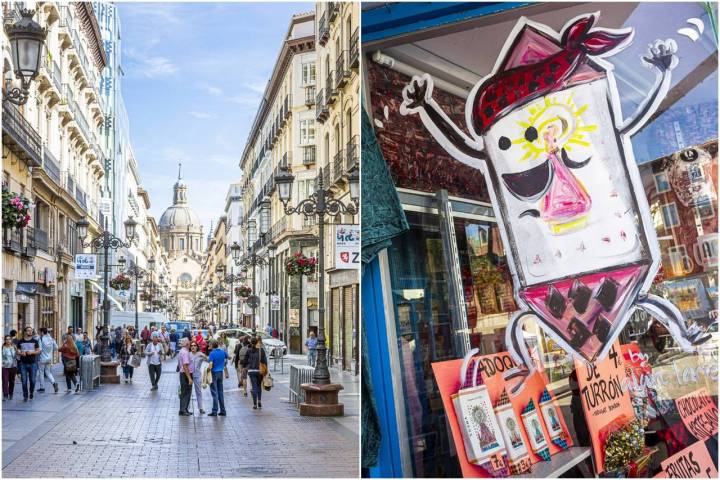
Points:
661	54
416	93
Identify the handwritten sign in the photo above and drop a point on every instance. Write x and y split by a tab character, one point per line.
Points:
603	395
692	462
699	413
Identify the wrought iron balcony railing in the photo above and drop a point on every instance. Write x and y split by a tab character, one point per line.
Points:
24	139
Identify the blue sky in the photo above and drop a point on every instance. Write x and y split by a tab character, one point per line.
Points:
194	76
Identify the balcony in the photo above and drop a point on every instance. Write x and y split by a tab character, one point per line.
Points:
68	182
53	72
352	154
29	249
330	89
287	107
355	50
12	240
286	160
81	197
309	155
19	136
338	166
278	228
333	10
323	29
321	109
41	240
51	165
342	70
310	95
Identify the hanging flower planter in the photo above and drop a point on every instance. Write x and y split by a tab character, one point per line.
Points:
222	299
120	282
299	264
159	303
145	297
243	291
15	210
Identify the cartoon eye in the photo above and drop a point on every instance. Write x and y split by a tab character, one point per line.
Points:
689	155
531	134
504	143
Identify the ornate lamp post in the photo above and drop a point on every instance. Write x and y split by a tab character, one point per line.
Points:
138	273
252	259
271	256
27	38
320	204
106	241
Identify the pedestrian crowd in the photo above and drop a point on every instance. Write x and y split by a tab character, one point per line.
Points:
200	363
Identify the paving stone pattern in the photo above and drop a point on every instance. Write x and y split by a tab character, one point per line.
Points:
127	430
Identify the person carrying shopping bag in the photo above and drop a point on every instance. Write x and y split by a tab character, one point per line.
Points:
256	362
71	357
129	359
197	358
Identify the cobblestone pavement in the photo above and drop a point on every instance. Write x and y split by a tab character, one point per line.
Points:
127	430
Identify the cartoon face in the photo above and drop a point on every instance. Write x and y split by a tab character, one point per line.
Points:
560	177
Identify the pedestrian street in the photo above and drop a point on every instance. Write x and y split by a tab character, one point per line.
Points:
127	430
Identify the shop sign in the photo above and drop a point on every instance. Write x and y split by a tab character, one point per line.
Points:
45	277
294	317
85	266
692	462
581	248
347	246
604	396
699	414
275	303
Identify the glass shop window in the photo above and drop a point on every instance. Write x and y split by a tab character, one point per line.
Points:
670	215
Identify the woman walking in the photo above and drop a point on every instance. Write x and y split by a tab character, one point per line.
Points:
9	367
126	353
70	357
241	349
197	357
255	359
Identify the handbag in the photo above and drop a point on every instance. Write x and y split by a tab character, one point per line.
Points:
267	382
135	360
263	366
71	365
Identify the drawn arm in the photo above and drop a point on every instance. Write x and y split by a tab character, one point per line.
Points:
661	56
417	99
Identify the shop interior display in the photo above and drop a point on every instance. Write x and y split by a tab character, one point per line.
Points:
577	230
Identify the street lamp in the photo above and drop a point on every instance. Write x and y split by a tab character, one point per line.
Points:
26	44
271	256
320	204
252	259
106	241
138	273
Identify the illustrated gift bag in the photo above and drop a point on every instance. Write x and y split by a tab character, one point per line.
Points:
482	437
517	452
532	420
551	415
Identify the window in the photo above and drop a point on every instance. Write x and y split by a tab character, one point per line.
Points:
165	244
308	73
182	244
307	132
670	215
661	182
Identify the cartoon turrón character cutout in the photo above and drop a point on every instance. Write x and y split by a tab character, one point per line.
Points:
546	130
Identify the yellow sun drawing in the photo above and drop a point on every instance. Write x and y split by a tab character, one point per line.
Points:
559	110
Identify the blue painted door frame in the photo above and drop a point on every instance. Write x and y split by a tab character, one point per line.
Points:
389	464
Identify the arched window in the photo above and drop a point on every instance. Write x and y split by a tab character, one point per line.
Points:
185	280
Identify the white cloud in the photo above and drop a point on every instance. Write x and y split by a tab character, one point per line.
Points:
246	100
148	66
257	87
202	115
214	90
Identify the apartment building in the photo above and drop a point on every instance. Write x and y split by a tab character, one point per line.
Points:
212	285
52	156
283	135
337	114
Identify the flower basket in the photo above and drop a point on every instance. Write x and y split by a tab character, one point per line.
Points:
120	282
243	291
222	299
145	297
299	264
15	210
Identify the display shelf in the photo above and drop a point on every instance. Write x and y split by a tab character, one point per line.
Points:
558	464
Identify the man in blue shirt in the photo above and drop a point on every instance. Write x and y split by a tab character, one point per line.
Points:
217	359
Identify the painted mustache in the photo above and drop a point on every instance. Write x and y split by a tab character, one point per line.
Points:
530	185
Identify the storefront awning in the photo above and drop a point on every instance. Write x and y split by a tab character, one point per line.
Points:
100	289
28	288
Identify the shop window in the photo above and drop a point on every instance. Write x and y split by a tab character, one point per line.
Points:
670	215
704	208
